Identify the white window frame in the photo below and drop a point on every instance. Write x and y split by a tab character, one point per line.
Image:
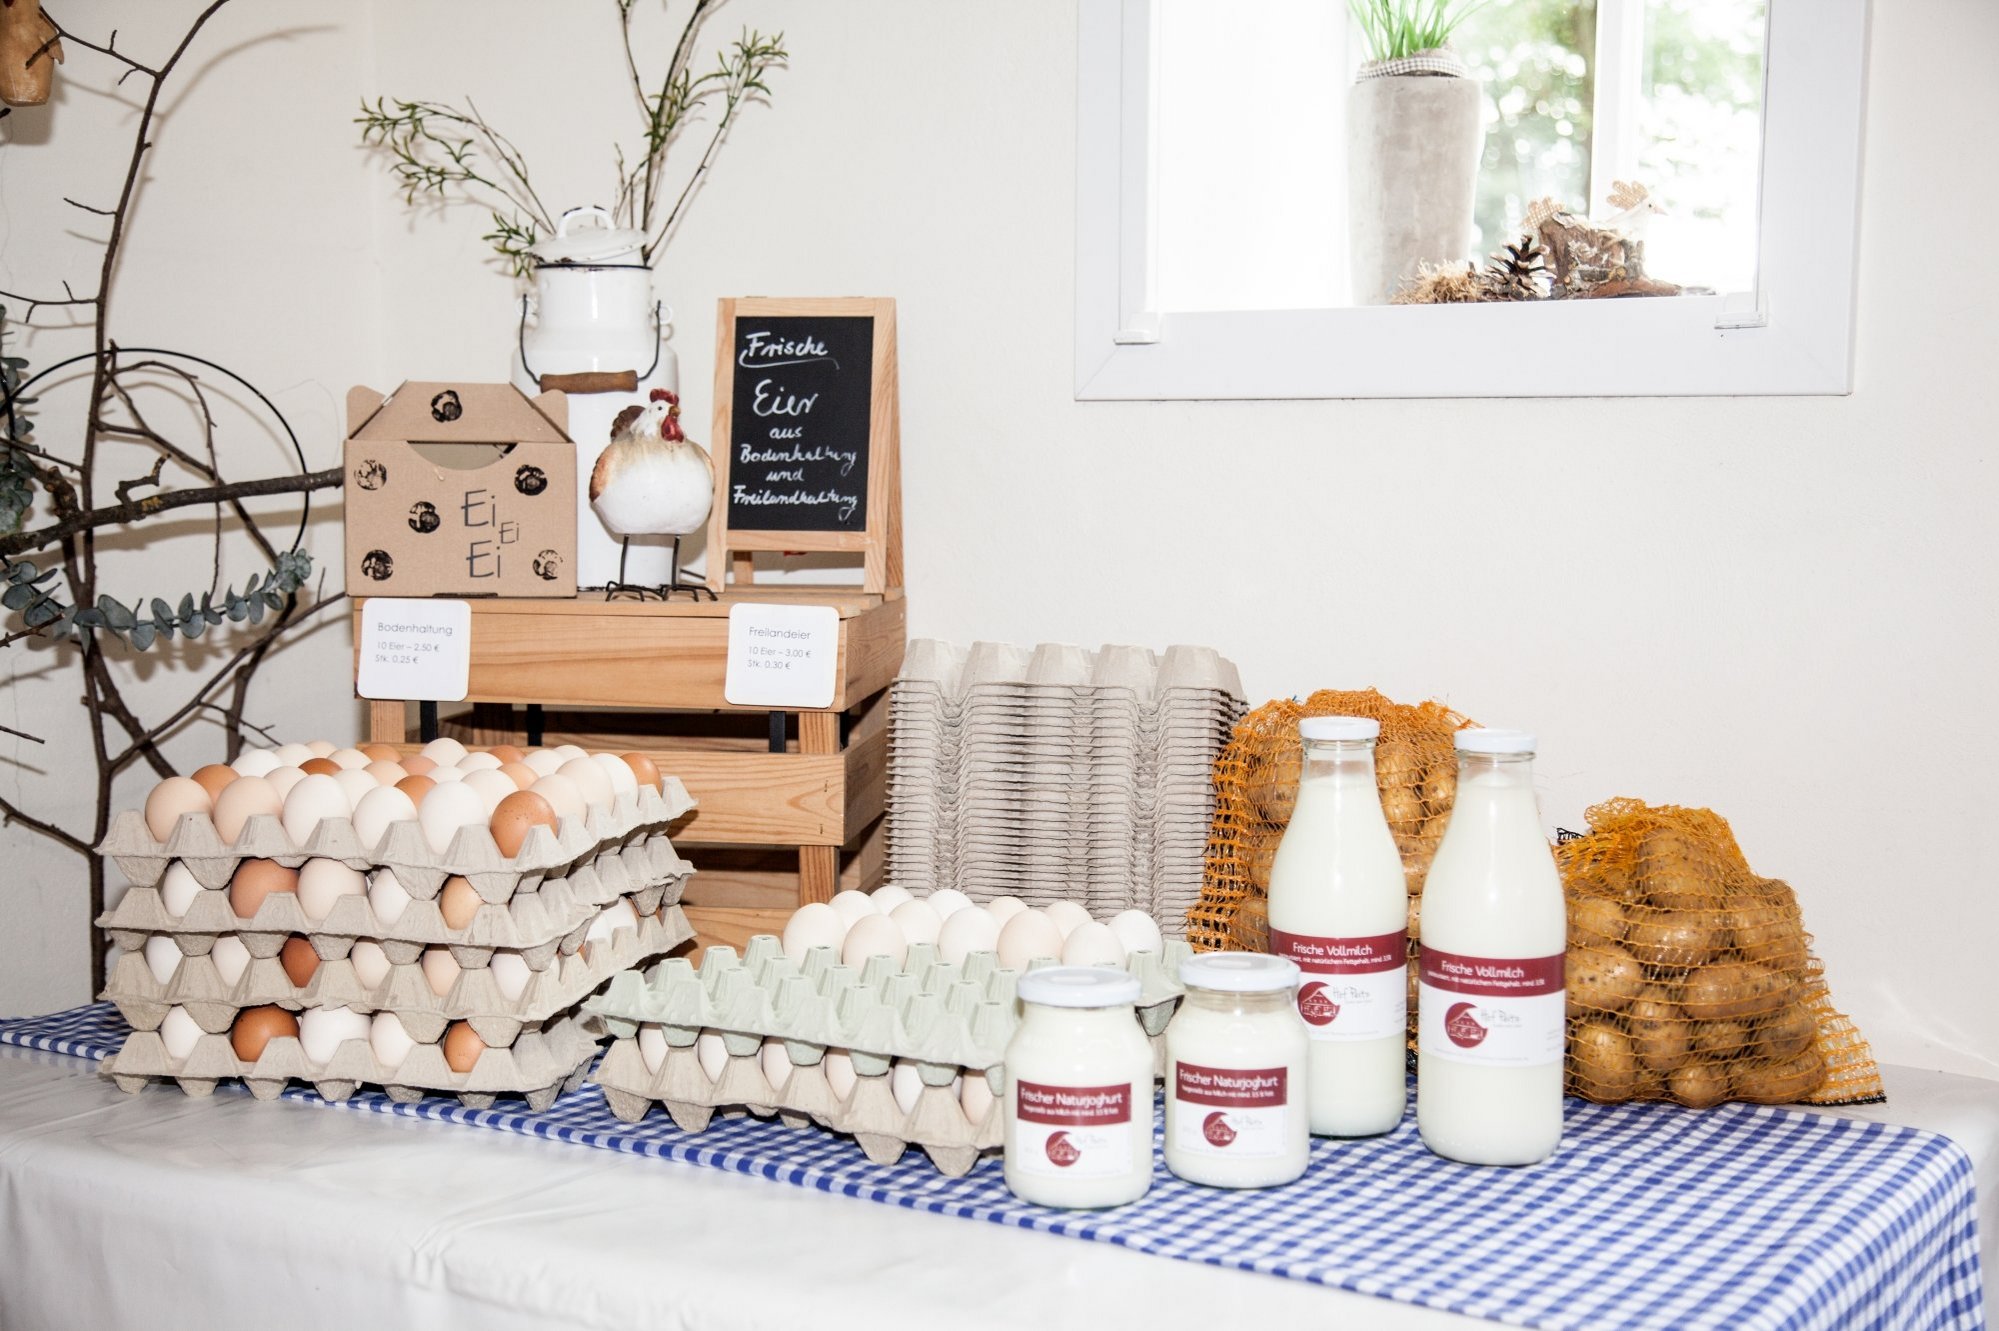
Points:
1792	335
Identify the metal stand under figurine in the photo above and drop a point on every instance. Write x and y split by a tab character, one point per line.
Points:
652	480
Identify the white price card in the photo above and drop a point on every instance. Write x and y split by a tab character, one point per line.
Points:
782	655
415	649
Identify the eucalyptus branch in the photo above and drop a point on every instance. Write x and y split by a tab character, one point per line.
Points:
739	79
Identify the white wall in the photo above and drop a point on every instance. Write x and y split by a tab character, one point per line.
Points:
1779	608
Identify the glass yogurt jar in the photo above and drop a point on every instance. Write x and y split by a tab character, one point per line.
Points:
1078	1100
1237	1080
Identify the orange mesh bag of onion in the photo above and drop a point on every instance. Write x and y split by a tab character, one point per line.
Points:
1690	977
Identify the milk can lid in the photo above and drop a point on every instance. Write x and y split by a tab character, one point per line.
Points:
604	243
1078	986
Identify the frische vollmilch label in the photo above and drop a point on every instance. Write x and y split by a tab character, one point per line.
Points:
1353	988
1237	1113
1503	1011
1071	1131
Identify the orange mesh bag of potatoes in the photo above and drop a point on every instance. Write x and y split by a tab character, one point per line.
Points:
1692	979
1256	785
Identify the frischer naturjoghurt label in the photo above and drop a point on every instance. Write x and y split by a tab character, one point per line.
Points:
1072	1131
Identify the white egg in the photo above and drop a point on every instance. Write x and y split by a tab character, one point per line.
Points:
623	783
322	1030
510	973
776	1063
840	1075
477	762
1092	944
444	774
370	963
570	752
852	905
1027	936
312	801
975	1097
357	784
1138	932
919	923
255	762
231	958
592	780
440	970
390	1040
375	811
178	889
491	786
321	884
544	762
874	936
162	957
563	795
620	914
1005	908
966	932
321	748
888	896
444	751
815	924
948	901
652	1045
386	895
293	755
712	1053
281	779
178	1032
444	810
348	760
1067	915
905	1083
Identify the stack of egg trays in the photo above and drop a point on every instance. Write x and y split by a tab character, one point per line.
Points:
948	1019
546	898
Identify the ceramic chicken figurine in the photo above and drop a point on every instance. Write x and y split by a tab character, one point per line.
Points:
652	480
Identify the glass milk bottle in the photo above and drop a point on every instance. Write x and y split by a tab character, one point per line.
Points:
1078	1104
1339	907
1235	1073
1490	1010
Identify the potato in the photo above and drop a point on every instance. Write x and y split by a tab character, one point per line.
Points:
1440	788
1717	1041
1272	780
1651	1085
1699	1085
1787	1033
1433	827
1403	808
1595	920
1602	978
1396	764
1675	939
1767	929
1602	1062
1660	1033
1415	868
1261	853
1416	917
1789	1081
1415	982
1677	871
1736	989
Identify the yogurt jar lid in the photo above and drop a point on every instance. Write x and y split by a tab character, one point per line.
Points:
1338	727
1480	740
1239	972
1078	987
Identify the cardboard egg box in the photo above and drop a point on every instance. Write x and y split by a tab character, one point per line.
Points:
472	853
539	1065
552	989
536	924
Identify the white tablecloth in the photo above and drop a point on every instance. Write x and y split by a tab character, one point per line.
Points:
162	1211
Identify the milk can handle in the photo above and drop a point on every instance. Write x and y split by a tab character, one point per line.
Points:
604	214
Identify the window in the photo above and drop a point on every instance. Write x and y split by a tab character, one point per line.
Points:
1212	199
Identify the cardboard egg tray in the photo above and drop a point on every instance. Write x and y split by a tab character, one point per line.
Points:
538	923
421	870
949	1020
539	1065
558	985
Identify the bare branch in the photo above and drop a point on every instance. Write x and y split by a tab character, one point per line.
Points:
118	514
22	734
149	480
12	813
101	212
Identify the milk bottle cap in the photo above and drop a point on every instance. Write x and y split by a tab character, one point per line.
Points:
1078	986
1494	741
1239	973
1338	727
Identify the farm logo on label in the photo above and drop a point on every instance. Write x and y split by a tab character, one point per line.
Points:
1217	1130
1061	1150
1314	1006
1463	1027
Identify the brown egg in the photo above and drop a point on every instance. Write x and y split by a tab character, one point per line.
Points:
213	778
462	1047
170	799
458	901
418	765
256	1027
319	767
517	815
520	774
299	961
256	879
381	753
644	769
507	753
416	787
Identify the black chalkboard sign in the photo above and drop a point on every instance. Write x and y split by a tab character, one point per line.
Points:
807	433
798	445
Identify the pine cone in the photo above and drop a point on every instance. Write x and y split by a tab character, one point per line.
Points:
1518	272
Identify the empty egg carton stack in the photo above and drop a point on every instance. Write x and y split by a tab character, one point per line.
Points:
896	1056
1037	772
487	1005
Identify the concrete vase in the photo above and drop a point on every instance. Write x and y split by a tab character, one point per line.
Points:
1414	143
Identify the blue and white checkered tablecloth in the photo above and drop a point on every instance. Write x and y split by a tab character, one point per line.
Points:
1649	1216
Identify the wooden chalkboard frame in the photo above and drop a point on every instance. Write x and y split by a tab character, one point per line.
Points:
730	549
